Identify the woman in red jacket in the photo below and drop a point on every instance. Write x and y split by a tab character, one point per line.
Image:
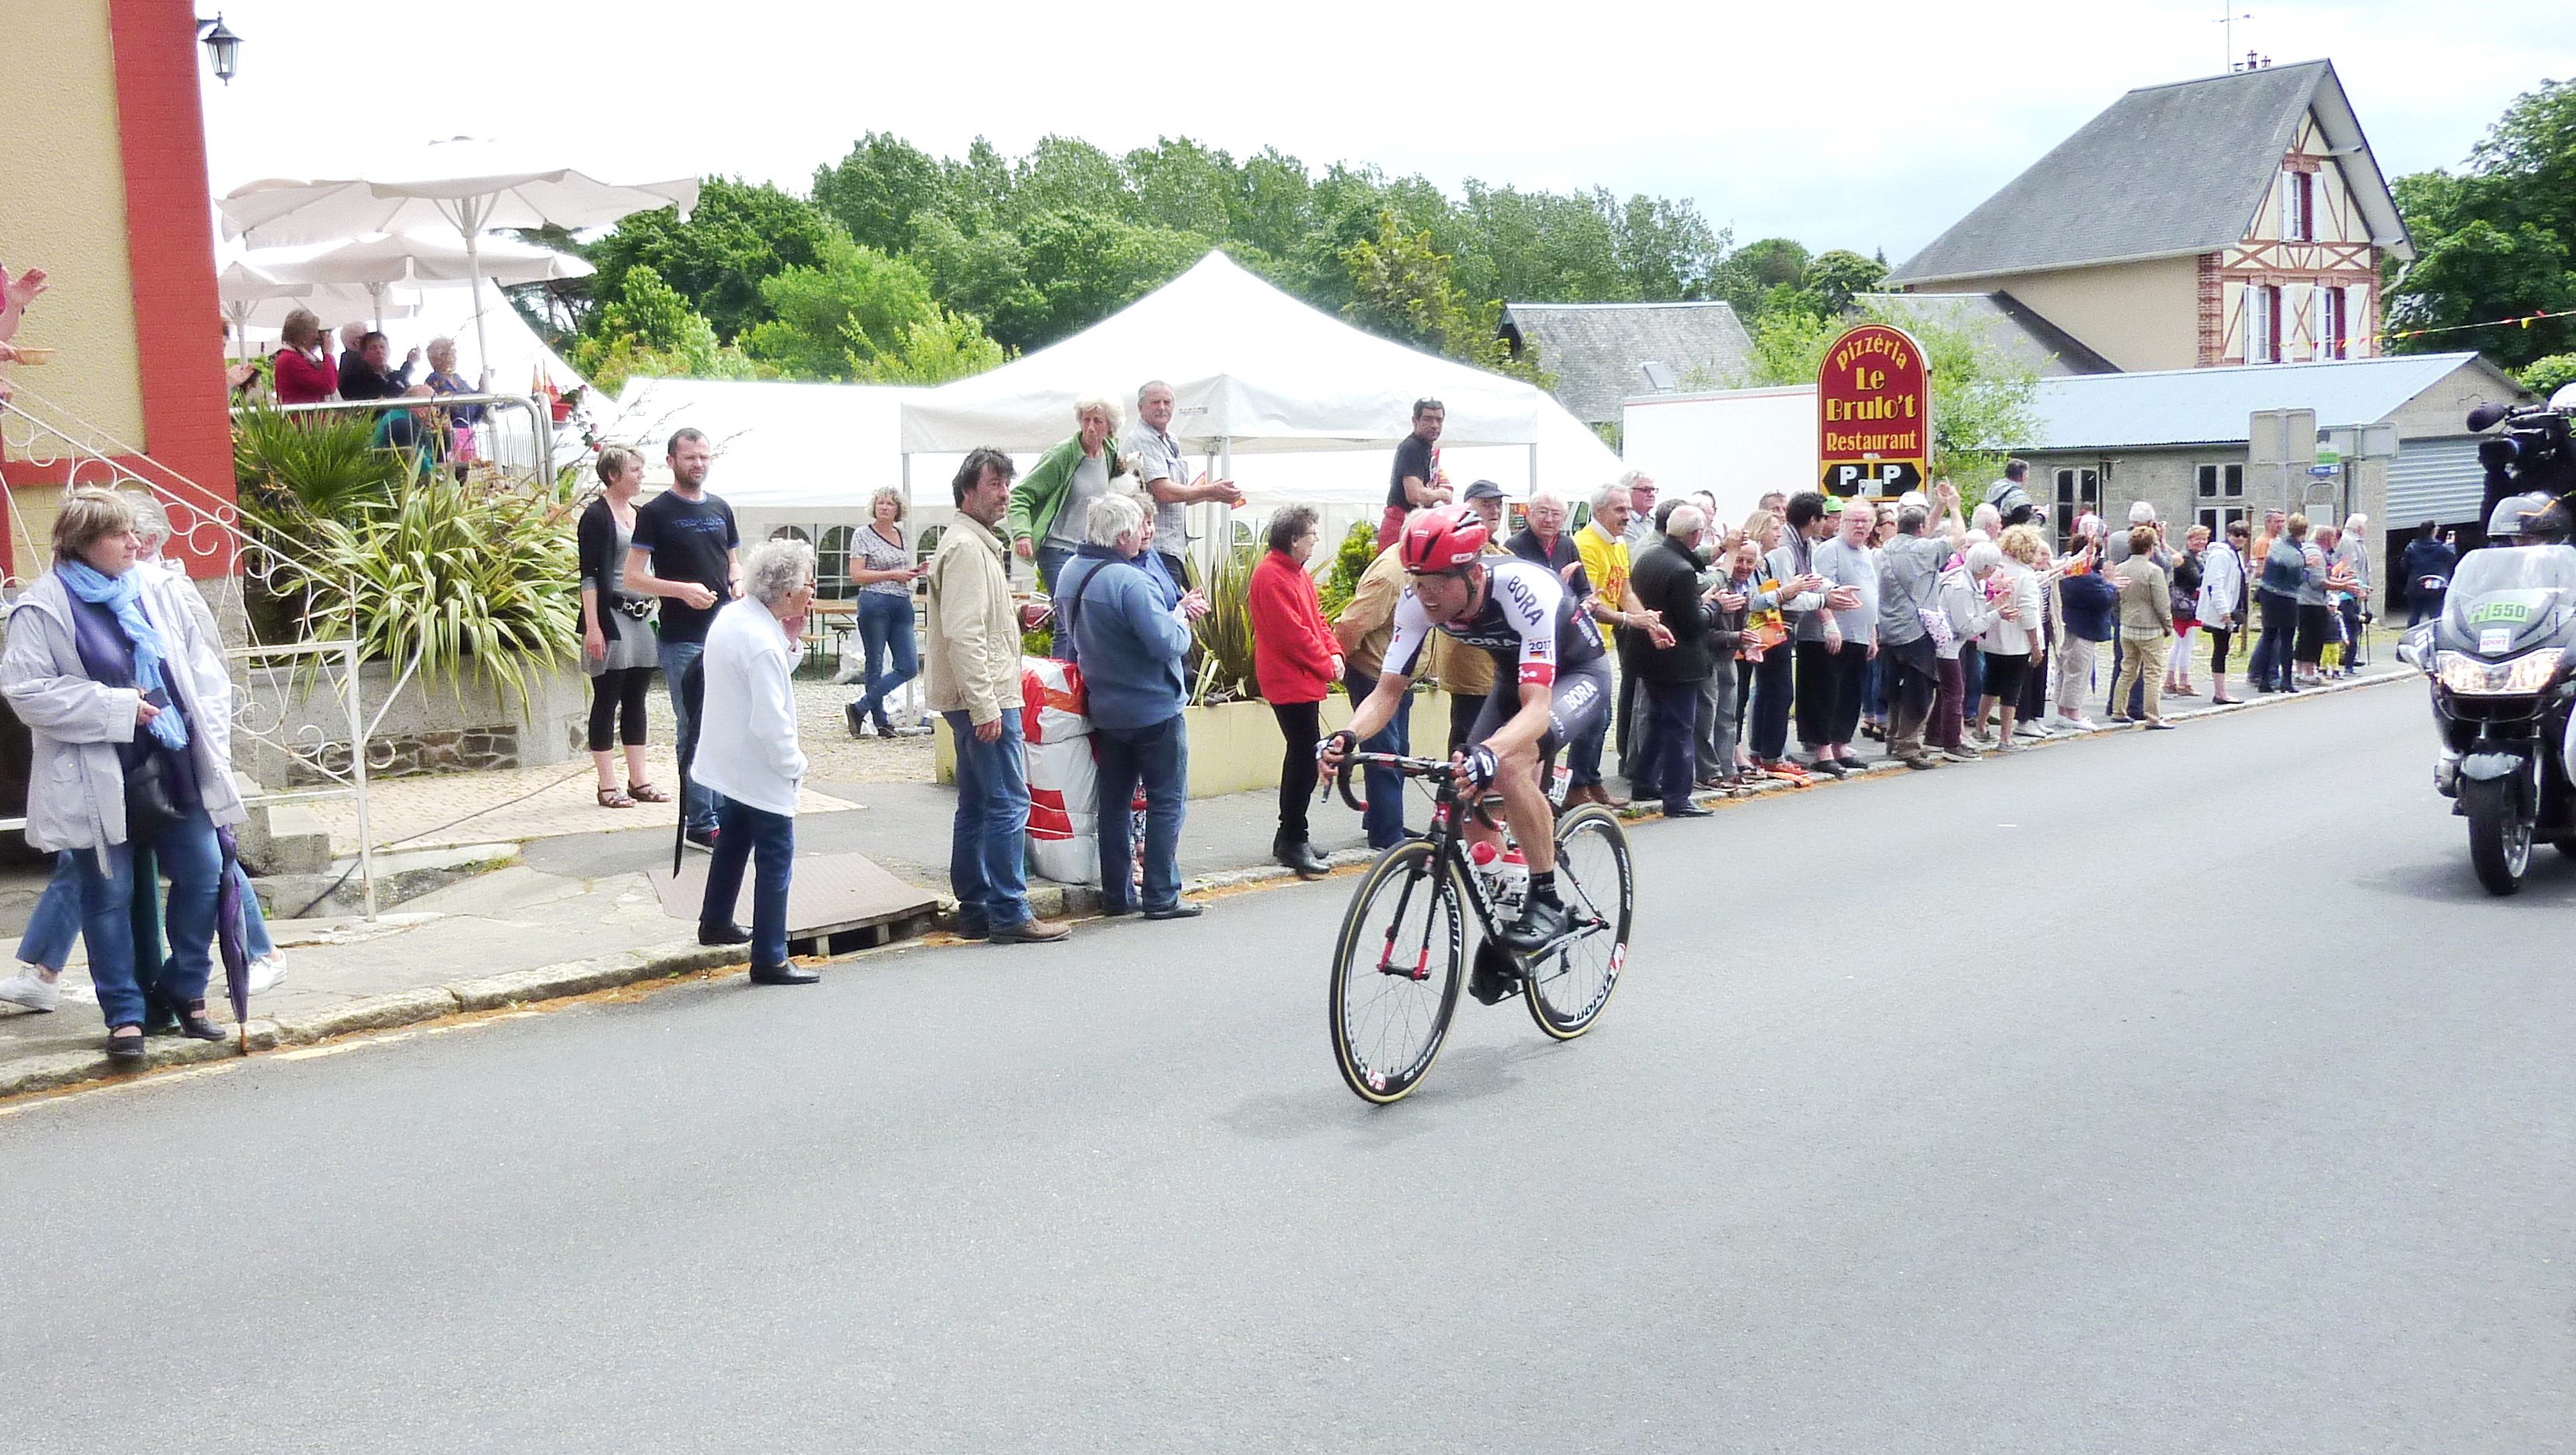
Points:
303	372
1294	658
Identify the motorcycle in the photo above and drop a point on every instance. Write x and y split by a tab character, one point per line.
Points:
2501	658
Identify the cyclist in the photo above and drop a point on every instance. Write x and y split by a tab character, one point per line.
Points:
1551	685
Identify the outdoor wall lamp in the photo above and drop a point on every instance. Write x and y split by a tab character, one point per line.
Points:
221	45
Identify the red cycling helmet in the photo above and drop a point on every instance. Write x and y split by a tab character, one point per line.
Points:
1442	538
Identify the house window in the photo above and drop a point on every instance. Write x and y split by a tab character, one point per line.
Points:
2262	323
2338	317
2079	492
2215	519
2299	207
2222	482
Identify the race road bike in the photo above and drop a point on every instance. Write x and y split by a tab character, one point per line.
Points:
1398	962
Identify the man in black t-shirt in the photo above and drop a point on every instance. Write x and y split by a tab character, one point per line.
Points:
1416	481
684	553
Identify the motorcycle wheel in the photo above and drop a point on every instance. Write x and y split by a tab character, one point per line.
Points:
2499	839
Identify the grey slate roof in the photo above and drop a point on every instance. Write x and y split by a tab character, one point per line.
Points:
1597	350
2166	171
2005	321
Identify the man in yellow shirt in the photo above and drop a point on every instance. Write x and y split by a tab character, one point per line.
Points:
1602	543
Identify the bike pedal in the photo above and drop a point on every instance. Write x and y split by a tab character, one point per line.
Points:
1496	977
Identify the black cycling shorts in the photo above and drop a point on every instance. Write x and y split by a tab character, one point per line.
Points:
1578	703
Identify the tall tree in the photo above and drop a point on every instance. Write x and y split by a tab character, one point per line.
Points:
1402	288
2497	240
740	233
879	189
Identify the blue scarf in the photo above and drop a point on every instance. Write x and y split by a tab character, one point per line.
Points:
123	595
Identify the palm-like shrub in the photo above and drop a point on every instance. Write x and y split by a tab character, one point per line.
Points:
1225	634
443	572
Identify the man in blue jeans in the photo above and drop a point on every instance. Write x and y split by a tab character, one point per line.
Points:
1130	639
973	680
1364	627
684	552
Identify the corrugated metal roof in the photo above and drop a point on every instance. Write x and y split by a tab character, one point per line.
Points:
2165	171
2208	406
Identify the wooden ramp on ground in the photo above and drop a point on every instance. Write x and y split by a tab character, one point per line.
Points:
836	903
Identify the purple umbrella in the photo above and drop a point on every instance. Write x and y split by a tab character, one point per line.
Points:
232	936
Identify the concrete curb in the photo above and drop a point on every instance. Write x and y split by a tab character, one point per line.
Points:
379	1012
608	972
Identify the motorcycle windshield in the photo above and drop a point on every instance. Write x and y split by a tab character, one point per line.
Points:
2506	597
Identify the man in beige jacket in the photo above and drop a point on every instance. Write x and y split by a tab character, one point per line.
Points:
973	672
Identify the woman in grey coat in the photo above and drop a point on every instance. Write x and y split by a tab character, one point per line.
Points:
126	703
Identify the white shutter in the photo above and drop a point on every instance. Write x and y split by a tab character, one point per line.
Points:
2315	311
2361	336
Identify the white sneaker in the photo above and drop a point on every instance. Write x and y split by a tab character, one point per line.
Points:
31	990
2081	725
2030	730
267	972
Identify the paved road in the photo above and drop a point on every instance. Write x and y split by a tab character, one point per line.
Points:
2026	1148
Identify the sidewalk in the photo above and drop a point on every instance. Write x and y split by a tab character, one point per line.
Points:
573	913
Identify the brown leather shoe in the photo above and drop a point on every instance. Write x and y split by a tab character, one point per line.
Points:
1029	932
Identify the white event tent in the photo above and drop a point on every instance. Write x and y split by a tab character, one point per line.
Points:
1256	372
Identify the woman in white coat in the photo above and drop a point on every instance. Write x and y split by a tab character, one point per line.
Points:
128	713
747	753
2222	603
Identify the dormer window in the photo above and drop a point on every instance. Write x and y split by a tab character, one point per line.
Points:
2299	207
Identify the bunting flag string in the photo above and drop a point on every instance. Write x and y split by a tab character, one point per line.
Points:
2524	320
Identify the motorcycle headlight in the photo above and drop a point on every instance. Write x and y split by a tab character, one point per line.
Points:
2529	673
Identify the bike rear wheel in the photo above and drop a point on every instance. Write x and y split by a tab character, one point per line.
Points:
1568	987
1396	972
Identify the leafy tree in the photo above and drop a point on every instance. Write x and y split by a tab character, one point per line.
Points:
2479	272
1080	267
650	330
933	351
852	307
1833	278
1403	290
879	189
2548	374
2495	241
1750	275
740	233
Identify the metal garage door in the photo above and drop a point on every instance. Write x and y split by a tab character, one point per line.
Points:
2437	479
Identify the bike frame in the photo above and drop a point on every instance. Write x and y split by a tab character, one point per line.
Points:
1446	837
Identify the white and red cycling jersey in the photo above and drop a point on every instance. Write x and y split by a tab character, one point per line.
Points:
1528	623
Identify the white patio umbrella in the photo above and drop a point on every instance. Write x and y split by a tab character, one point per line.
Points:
427	261
255	297
470	186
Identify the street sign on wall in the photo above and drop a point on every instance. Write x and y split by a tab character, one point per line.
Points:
1873	413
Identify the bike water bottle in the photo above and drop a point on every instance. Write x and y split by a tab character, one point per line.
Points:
1505	872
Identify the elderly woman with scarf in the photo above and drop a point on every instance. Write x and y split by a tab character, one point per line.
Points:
127	709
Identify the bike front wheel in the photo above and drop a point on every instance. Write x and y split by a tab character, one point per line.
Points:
1396	972
1568	987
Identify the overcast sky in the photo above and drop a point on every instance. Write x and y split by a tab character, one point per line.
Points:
1858	124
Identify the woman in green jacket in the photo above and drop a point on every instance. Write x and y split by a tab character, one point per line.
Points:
1051	502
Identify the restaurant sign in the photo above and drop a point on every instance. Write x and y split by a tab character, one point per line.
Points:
1873	413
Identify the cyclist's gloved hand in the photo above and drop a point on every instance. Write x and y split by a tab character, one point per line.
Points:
1335	747
1478	768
